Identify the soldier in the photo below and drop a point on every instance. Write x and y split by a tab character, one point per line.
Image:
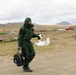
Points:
26	33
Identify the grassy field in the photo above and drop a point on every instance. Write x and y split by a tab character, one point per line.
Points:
60	40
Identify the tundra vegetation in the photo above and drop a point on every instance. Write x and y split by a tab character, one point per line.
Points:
60	40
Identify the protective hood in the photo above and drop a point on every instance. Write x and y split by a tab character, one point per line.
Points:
26	23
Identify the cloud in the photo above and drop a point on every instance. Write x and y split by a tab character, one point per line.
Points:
41	11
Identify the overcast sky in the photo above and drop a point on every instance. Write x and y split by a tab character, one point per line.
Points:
41	11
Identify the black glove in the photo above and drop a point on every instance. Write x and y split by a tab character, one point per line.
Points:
19	48
38	38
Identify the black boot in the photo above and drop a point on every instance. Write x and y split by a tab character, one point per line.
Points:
27	69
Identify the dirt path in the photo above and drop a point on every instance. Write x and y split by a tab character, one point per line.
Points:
54	63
